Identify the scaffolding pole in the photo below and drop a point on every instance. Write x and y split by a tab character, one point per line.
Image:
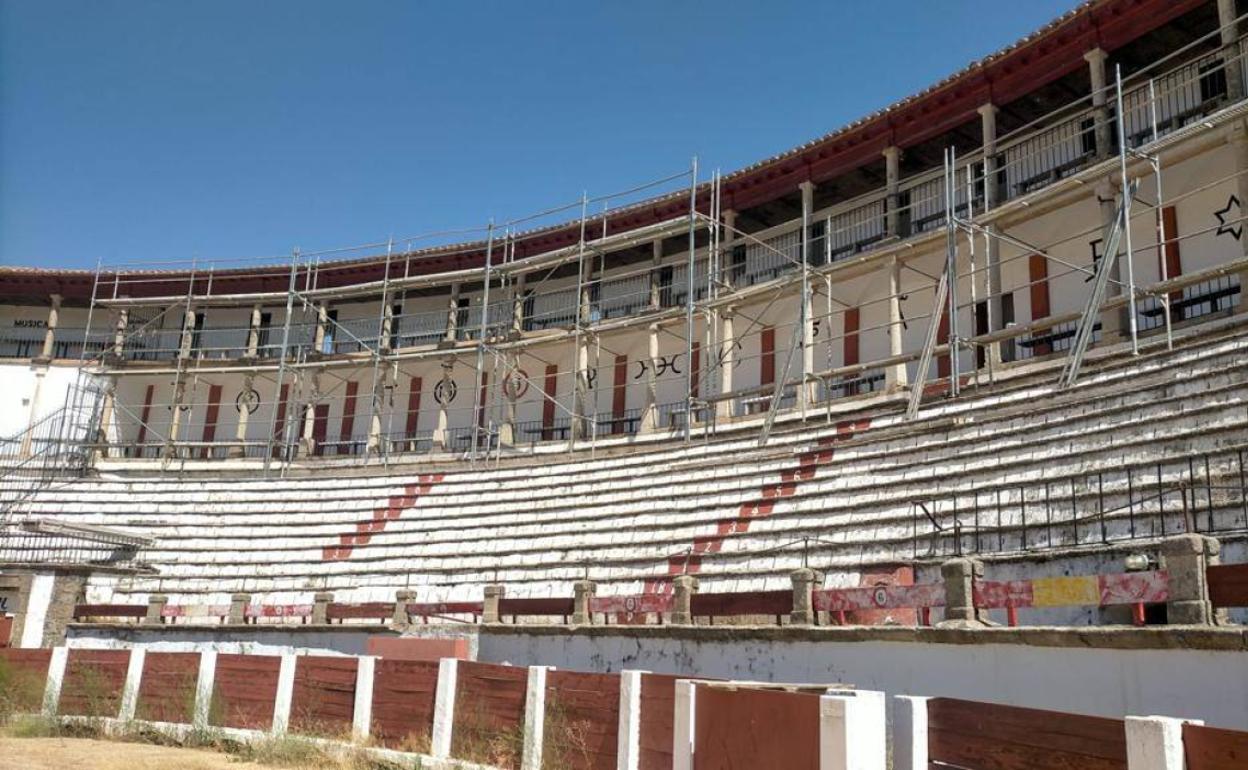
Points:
1126	216
477	416
689	373
281	368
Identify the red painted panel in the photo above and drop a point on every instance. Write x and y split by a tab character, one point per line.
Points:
582	720
145	415
1228	585
551	387
244	691
1212	748
1038	277
413	406
898	578
6	630
755	728
697	367
416	649
658	707
167	690
850	341
619	393
347	426
27	674
489	714
93	682
742	603
210	417
943	367
324	695
404	692
320	427
767	361
485	389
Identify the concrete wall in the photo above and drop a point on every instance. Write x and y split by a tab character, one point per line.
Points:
1209	684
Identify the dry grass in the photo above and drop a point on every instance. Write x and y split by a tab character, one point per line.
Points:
89	754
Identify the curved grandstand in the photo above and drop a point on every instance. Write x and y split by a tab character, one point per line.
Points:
940	331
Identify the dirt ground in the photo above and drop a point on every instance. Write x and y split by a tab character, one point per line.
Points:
86	754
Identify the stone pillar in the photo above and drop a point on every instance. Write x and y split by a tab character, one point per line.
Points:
517	305
656	287
120	323
1100	102
853	731
683	589
489	611
402	598
1156	743
959	576
188	333
444	417
650	410
895	376
322	325
452	315
1231	50
1112	321
49	334
175	417
320	607
534	719
32	414
582	592
805	580
253	333
580	393
155	604
892	185
107	432
1185	558
244	416
387	324
910	732
284	698
444	709
992	192
238	608
309	416
728	356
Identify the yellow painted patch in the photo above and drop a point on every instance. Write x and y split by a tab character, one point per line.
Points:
1064	591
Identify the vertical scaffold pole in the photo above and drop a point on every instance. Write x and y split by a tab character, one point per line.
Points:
484	326
689	373
375	417
281	365
951	265
1126	215
577	421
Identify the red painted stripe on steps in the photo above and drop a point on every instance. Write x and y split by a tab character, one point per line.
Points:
364	530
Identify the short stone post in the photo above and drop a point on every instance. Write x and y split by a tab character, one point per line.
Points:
534	718
285	693
683	589
56	677
852	732
362	717
238	608
1155	743
320	608
401	619
909	733
155	606
960	576
1184	557
804	582
582	593
489	608
203	689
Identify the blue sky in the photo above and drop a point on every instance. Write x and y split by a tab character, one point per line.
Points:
137	130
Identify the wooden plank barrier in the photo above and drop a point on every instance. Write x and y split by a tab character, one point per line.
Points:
551	607
25	674
93	682
658	711
582	720
323	701
632	609
1228	585
109	611
724	605
987	736
489	713
244	691
1211	748
404	694
340	611
443	610
747	728
167	689
840	601
1132	588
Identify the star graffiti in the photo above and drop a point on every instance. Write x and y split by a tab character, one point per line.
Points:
1225	228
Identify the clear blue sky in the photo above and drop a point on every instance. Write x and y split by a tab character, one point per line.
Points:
135	130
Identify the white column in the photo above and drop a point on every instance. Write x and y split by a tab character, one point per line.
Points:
628	739
49	334
285	693
852	731
534	718
38	601
684	725
444	417
1100	100
650	413
362	719
656	261
244	417
452	314
56	677
134	678
909	732
203	688
728	341
253	332
444	708
895	375
807	392
309	415
1231	50
1155	743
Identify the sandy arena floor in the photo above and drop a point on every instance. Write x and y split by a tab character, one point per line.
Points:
86	754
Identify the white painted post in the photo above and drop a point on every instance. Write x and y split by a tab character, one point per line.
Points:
684	725
56	676
909	732
1155	743
444	708
203	688
363	717
852	731
534	718
285	693
134	677
628	740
